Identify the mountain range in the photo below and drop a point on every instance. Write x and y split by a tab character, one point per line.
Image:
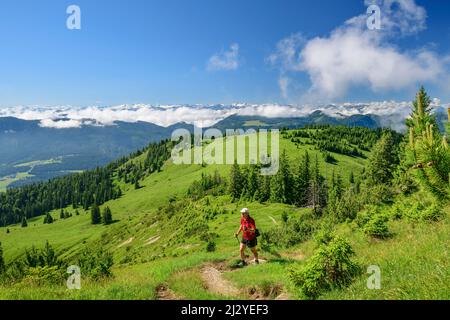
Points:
32	152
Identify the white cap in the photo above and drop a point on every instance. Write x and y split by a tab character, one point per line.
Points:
245	210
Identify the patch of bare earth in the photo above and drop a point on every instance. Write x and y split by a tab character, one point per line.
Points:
125	242
216	283
152	240
164	293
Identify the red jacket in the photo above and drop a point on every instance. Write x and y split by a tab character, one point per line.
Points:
248	224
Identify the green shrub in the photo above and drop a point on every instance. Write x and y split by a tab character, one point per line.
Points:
377	227
210	246
419	212
96	264
39	276
330	267
291	233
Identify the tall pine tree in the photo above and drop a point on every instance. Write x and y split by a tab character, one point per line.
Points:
282	183
236	182
302	181
95	214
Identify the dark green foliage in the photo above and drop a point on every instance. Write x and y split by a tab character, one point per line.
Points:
96	263
210	246
62	215
317	191
282	184
236	182
48	219
24	222
107	216
96	217
350	141
382	160
207	185
330	267
293	232
45	257
302	181
285	217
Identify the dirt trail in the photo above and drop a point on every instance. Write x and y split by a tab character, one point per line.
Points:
125	242
152	240
216	284
164	293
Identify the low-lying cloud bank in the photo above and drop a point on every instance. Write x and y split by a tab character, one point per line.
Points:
200	115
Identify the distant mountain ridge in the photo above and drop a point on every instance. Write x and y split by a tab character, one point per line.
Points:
88	146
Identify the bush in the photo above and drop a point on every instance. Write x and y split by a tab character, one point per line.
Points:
418	212
373	222
211	246
377	227
96	264
291	233
330	267
39	276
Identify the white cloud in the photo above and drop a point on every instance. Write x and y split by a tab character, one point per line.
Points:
60	124
352	55
64	117
227	60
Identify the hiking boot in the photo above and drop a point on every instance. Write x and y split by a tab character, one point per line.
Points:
242	263
256	261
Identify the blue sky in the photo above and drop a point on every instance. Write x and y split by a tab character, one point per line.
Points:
203	51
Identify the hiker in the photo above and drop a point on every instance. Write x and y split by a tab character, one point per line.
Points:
249	235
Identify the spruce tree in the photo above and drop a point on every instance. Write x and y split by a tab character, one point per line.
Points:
282	183
302	181
252	185
236	182
317	192
48	218
95	214
382	160
24	222
107	216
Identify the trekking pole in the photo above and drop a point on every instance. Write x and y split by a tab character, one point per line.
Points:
237	239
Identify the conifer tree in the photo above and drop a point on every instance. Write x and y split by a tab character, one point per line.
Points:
282	182
95	214
302	181
382	160
317	192
236	182
24	222
428	154
107	216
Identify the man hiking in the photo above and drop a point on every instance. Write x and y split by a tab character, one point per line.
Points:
249	236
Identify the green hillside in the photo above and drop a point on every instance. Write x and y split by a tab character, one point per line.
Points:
160	235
